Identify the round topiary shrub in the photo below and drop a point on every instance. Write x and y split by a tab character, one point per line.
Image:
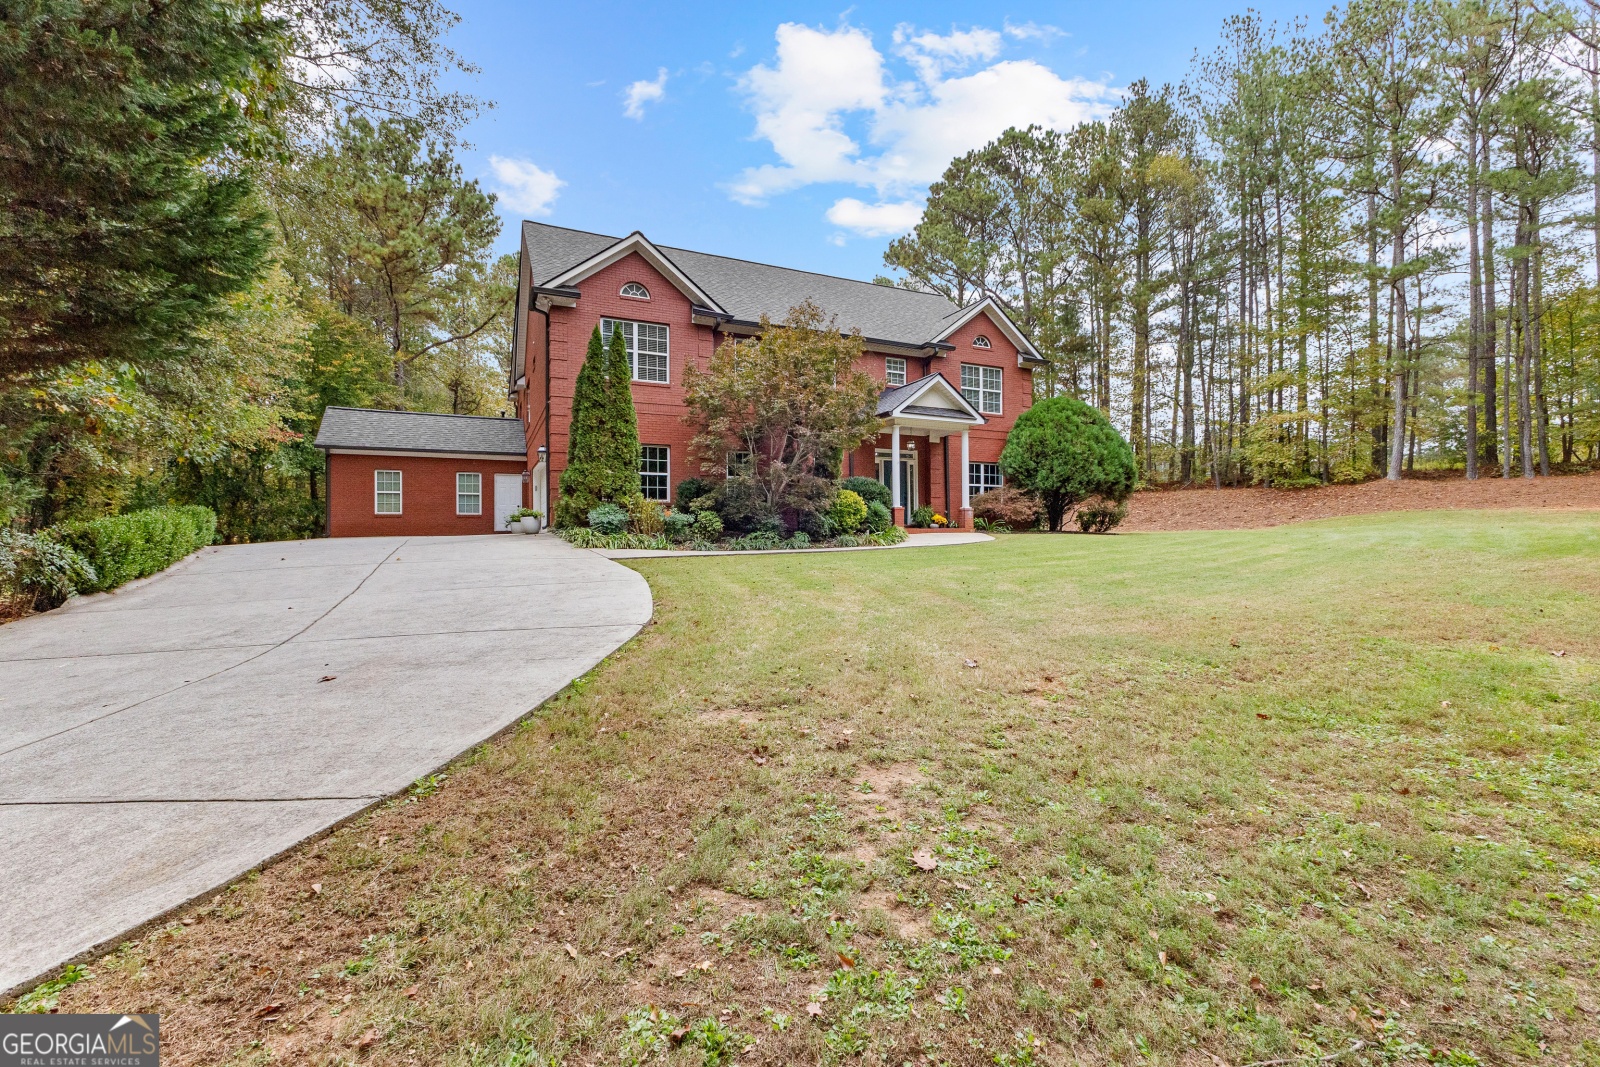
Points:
678	525
848	512
1064	451
879	517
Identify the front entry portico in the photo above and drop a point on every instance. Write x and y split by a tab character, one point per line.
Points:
929	410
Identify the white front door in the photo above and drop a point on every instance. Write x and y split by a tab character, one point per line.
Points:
507	498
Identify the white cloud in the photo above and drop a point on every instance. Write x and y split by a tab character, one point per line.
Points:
525	187
833	112
883	219
640	93
1033	31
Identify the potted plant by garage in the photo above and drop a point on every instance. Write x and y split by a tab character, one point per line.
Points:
515	519
526	520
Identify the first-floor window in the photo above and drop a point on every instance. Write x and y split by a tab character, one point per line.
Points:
739	465
981	386
894	370
982	477
386	492
469	493
653	472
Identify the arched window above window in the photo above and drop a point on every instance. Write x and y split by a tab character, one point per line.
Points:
635	291
981	341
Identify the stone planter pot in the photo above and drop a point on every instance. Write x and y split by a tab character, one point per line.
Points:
532	526
514	526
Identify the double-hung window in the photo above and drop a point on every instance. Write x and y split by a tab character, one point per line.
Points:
647	344
894	370
386	492
739	465
654	472
982	477
981	386
469	493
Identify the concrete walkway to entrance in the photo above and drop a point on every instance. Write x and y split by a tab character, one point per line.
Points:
159	741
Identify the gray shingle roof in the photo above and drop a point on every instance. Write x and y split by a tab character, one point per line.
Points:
373	430
749	290
890	399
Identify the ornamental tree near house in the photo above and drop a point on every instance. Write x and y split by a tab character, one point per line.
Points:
790	397
1064	451
603	443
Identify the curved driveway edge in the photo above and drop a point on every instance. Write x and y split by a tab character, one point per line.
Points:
160	741
916	540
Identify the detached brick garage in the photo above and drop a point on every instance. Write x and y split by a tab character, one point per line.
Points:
398	473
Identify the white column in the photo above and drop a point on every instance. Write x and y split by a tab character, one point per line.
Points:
966	478
894	466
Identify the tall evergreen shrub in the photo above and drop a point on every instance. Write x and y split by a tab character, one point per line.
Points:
603	441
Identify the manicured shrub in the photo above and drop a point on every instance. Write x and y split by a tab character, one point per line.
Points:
922	516
121	548
868	489
37	572
1100	516
1016	509
678	525
772	526
707	525
879	518
608	519
815	525
1064	451
691	489
849	511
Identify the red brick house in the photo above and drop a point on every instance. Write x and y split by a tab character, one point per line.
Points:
954	377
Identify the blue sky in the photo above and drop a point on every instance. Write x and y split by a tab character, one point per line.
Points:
797	134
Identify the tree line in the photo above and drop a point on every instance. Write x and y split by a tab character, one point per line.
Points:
1326	256
217	219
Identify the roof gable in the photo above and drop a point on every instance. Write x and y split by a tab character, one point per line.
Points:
635	243
931	395
990	308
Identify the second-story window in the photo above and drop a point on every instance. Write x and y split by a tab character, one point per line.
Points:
979	341
981	386
894	370
635	291
647	344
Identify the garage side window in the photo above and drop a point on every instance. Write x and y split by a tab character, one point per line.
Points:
653	472
386	492
469	493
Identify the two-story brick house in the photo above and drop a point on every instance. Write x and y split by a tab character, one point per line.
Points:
954	378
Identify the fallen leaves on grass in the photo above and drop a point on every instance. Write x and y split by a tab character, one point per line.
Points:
813	1009
367	1040
268	1009
924	860
571	951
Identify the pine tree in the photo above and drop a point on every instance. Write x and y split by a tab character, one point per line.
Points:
123	222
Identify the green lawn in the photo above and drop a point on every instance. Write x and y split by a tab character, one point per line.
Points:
1245	795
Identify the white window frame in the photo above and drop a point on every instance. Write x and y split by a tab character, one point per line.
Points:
977	478
894	366
630	335
665	474
398	492
981	341
978	394
478	493
642	294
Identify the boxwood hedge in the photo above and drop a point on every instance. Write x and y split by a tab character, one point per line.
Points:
121	548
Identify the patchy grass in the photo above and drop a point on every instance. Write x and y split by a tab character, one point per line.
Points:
1203	797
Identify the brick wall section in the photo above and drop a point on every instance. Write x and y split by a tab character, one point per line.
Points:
428	495
659	406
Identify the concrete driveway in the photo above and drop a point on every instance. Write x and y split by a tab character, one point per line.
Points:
161	740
